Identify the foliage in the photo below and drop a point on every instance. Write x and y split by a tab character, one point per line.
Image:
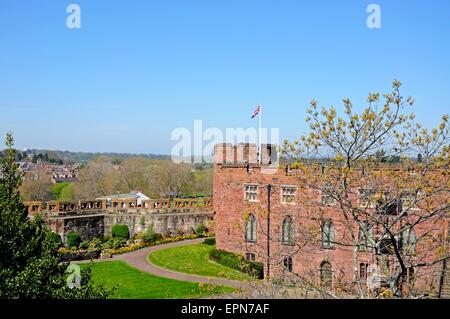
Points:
237	262
150	236
29	261
136	246
201	230
84	245
36	185
56	240
114	243
73	239
210	241
120	231
58	188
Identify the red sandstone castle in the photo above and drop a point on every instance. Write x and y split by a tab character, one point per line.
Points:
253	199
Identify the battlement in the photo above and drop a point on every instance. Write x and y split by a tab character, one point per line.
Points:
245	153
81	207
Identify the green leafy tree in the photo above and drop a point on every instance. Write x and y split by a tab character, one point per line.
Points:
30	265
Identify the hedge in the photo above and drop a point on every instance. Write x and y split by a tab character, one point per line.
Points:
120	231
237	262
210	241
73	239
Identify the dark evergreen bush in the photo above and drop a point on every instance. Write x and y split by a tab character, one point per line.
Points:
73	239
120	231
237	262
210	241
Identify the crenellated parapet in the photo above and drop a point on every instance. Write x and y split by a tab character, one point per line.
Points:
55	207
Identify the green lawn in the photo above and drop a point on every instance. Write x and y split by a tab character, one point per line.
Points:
193	259
134	284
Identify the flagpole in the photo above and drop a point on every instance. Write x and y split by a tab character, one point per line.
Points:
260	139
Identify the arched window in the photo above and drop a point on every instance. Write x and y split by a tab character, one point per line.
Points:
412	240
288	231
326	275
364	236
250	233
408	241
287	262
327	234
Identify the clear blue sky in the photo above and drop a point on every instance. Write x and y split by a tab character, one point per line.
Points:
138	69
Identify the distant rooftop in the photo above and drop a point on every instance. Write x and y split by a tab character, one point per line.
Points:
132	195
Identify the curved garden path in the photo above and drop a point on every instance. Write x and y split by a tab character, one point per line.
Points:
138	259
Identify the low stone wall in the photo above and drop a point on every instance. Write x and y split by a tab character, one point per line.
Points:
100	222
170	222
88	226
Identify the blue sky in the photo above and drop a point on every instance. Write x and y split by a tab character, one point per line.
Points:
138	69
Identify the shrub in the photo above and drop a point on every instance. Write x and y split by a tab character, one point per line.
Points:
237	262
73	239
55	240
210	241
95	244
84	245
201	230
114	243
150	236
120	231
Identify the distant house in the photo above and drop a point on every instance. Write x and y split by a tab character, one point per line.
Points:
138	196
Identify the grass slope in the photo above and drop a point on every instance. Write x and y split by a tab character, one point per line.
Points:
193	259
134	284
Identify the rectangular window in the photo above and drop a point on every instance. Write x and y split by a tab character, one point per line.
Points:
363	272
251	193
287	194
326	198
250	257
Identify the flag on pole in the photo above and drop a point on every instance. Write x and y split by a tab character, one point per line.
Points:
256	112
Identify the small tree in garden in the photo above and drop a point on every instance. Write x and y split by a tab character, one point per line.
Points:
30	265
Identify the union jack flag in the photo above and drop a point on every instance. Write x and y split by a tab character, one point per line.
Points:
256	112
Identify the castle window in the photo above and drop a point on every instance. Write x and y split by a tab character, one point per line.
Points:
326	275
251	193
287	262
327	234
408	241
326	198
250	231
288	231
250	257
363	272
287	194
364	241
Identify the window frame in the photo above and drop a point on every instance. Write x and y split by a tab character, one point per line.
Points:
291	231
251	229
293	195
288	263
326	196
327	230
251	192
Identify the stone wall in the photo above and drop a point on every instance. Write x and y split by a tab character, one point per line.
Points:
88	226
100	223
163	223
